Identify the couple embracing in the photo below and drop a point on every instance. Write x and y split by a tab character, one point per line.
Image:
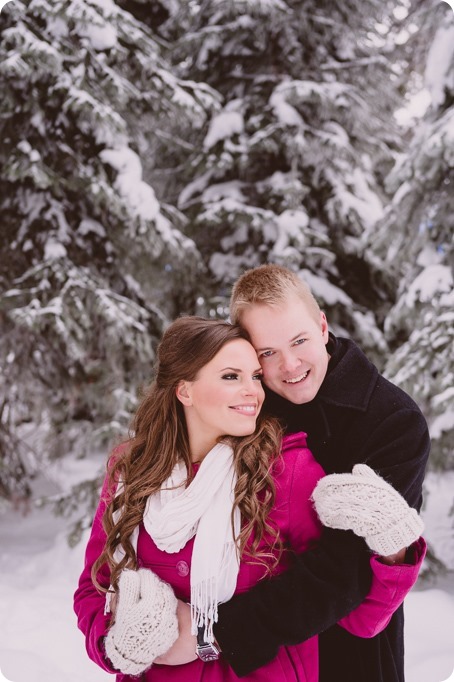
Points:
261	520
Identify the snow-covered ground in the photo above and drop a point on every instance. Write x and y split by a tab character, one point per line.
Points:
40	642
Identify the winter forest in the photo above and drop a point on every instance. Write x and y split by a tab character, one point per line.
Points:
152	150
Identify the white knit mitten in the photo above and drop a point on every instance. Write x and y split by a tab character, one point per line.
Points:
146	623
366	504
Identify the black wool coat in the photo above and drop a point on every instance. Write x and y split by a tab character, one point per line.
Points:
357	416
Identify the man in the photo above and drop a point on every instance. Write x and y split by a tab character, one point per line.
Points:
327	387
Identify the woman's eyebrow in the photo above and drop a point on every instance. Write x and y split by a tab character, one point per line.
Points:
235	369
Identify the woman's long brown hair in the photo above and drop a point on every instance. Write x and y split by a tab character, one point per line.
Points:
159	438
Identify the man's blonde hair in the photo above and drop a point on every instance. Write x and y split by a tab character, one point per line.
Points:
269	285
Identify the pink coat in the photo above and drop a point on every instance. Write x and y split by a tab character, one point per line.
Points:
295	474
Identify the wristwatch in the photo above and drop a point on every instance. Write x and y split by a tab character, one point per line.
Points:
206	651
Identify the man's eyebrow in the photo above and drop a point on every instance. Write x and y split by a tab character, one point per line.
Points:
297	336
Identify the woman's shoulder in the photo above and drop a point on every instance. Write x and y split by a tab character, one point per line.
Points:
294	441
295	448
115	456
296	474
296	456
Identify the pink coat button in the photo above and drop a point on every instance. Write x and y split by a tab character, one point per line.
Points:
182	568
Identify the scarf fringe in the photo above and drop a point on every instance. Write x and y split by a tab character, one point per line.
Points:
205	594
204	607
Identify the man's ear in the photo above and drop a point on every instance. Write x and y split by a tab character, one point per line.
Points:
183	393
324	327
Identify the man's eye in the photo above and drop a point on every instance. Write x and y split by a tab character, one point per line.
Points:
266	354
298	342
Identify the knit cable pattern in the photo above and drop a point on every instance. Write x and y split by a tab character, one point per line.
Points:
146	623
366	504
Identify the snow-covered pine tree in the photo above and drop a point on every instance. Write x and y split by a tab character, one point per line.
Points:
92	264
414	242
291	168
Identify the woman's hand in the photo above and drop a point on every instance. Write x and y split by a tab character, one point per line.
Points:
366	504
183	651
145	623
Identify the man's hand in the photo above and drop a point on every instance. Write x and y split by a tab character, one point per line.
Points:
366	504
183	651
395	559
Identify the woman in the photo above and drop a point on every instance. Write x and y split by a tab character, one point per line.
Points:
207	495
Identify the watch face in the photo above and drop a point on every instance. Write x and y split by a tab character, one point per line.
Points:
207	652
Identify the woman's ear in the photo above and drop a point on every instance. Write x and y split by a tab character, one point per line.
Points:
183	393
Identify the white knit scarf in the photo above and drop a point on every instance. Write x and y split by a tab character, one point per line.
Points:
175	514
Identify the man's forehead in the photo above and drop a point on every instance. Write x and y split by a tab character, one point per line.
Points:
266	334
265	316
273	326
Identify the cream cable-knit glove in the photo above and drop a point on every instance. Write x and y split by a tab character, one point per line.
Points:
366	504
146	623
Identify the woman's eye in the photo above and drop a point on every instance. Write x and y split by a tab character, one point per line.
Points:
231	376
258	376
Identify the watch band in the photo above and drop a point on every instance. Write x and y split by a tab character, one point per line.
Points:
206	651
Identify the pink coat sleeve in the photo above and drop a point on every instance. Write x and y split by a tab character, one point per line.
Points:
88	602
390	585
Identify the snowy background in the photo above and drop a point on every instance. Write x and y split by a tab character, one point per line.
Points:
40	642
151	150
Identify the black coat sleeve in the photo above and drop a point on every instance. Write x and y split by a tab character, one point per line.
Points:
323	585
330	580
398	450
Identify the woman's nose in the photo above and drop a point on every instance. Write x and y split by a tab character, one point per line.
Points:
252	387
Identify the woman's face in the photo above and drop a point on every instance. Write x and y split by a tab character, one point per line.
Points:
224	399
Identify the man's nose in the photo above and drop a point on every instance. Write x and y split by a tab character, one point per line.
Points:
289	362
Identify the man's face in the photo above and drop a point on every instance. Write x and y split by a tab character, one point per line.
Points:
291	346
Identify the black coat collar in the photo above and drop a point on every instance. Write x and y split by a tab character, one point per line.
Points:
351	377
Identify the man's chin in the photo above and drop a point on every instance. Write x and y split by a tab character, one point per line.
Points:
296	394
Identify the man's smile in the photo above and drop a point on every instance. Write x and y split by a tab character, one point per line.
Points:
297	379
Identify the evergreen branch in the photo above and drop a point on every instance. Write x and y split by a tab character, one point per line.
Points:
363	61
173	138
